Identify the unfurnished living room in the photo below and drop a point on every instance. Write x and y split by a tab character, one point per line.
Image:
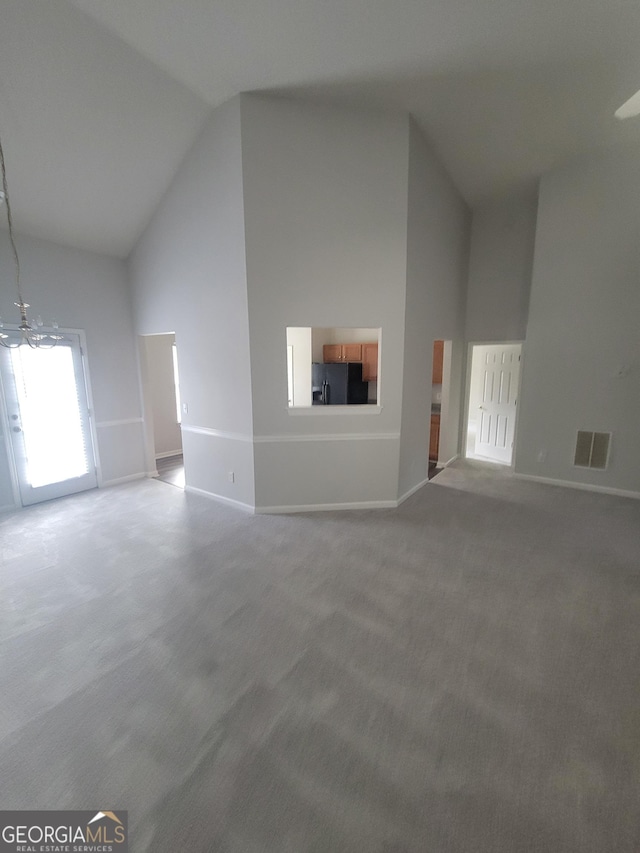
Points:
320	404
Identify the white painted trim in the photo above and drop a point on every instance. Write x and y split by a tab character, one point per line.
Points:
10	507
354	436
168	453
217	433
4	423
440	464
124	422
268	439
412	491
495	343
586	487
272	510
358	409
220	498
84	353
151	474
139	476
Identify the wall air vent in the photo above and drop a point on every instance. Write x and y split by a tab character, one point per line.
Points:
592	450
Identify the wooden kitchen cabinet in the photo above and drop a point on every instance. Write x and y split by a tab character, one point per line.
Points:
369	362
352	352
438	356
332	353
434	437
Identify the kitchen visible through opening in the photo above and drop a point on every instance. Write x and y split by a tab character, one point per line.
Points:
338	366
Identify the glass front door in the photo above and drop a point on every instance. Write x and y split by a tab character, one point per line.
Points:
46	399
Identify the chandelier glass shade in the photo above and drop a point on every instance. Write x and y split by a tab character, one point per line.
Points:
28	333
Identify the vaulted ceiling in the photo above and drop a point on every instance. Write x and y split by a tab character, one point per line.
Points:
100	101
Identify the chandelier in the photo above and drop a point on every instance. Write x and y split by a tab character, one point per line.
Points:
27	332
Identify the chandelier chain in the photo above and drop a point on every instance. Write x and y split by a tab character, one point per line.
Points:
5	189
28	334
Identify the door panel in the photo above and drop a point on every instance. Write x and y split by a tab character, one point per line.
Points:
352	352
46	399
497	414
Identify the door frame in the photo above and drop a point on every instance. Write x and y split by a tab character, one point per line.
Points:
4	418
443	459
151	470
467	397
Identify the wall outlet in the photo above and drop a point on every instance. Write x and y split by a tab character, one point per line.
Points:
185	408
542	456
231	477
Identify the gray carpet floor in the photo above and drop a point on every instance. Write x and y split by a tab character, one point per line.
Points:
460	675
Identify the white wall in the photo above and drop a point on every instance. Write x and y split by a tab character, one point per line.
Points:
86	291
581	365
500	264
325	206
438	224
158	354
188	274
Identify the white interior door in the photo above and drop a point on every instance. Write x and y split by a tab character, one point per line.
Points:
47	408
496	418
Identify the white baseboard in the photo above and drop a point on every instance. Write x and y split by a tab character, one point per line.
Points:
168	453
440	464
585	487
272	510
151	474
412	491
9	508
119	480
220	498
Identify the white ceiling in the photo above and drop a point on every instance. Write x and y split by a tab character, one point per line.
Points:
99	101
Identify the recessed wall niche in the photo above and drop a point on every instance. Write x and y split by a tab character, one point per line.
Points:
337	366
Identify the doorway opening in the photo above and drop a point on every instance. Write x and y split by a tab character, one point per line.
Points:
440	450
171	470
163	410
492	402
47	407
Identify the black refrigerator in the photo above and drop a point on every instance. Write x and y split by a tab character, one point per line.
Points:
338	384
